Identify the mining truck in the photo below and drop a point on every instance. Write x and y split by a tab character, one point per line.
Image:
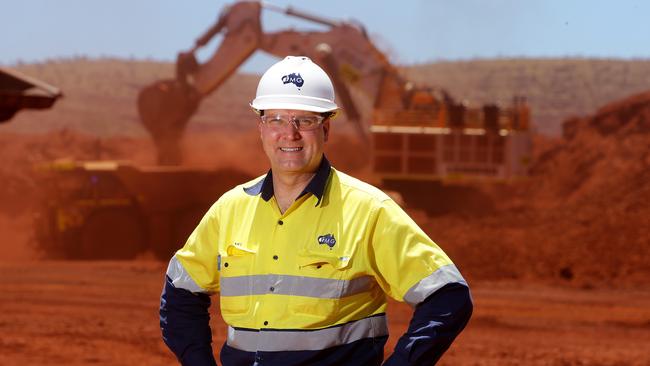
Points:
412	134
118	210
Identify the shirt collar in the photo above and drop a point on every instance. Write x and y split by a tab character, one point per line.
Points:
316	185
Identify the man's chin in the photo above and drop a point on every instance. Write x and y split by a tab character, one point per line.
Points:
292	167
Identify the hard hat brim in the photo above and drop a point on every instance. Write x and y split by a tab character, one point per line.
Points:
301	103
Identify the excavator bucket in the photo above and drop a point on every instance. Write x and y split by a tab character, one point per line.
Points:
18	91
165	107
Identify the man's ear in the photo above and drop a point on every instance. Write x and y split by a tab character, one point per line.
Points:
326	129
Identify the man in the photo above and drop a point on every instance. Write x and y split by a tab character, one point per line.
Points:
304	256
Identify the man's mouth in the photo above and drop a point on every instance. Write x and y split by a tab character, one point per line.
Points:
290	149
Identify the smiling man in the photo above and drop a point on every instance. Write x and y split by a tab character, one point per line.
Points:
293	141
304	256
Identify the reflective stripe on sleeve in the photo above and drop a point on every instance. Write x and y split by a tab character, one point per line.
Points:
180	278
273	340
322	288
432	283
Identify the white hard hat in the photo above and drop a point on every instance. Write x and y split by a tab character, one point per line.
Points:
295	83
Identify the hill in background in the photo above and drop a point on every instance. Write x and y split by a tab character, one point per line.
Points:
100	94
100	98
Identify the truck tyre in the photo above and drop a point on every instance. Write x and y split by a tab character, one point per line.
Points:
113	233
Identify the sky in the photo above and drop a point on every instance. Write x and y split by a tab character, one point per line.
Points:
409	31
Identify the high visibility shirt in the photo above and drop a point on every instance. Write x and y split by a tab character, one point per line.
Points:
314	277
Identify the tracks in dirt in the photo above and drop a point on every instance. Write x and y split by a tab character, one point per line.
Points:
106	313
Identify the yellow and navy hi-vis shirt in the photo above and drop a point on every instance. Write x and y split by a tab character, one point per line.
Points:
316	276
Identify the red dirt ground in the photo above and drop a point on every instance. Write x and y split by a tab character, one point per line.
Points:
105	313
559	263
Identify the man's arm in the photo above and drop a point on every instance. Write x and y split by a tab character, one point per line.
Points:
435	324
192	275
410	267
185	325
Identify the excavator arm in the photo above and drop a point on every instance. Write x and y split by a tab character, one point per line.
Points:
166	106
242	30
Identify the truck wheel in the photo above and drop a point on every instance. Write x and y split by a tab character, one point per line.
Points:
115	233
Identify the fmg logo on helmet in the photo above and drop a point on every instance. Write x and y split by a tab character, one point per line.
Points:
327	240
293	78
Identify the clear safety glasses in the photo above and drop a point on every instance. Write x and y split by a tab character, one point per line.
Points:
302	123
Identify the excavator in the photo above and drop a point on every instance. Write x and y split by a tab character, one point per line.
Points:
411	133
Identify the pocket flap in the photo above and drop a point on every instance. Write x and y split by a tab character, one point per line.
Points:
237	250
315	260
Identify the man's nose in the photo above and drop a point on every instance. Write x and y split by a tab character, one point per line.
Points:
292	124
290	129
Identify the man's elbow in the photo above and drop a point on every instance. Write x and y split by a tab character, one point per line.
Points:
466	307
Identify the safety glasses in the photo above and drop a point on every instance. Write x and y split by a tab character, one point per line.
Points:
301	123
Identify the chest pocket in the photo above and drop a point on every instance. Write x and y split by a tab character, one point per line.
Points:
235	279
317	291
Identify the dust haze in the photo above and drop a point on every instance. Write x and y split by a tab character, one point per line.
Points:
558	261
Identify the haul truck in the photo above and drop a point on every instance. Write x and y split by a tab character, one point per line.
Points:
117	210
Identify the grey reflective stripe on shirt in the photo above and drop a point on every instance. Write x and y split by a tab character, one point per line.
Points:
322	288
271	340
180	278
432	283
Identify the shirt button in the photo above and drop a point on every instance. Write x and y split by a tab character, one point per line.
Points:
280	222
225	264
275	257
266	322
272	289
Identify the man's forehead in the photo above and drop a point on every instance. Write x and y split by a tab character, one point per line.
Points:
292	112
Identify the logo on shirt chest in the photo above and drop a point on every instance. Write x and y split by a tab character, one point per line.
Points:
327	239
